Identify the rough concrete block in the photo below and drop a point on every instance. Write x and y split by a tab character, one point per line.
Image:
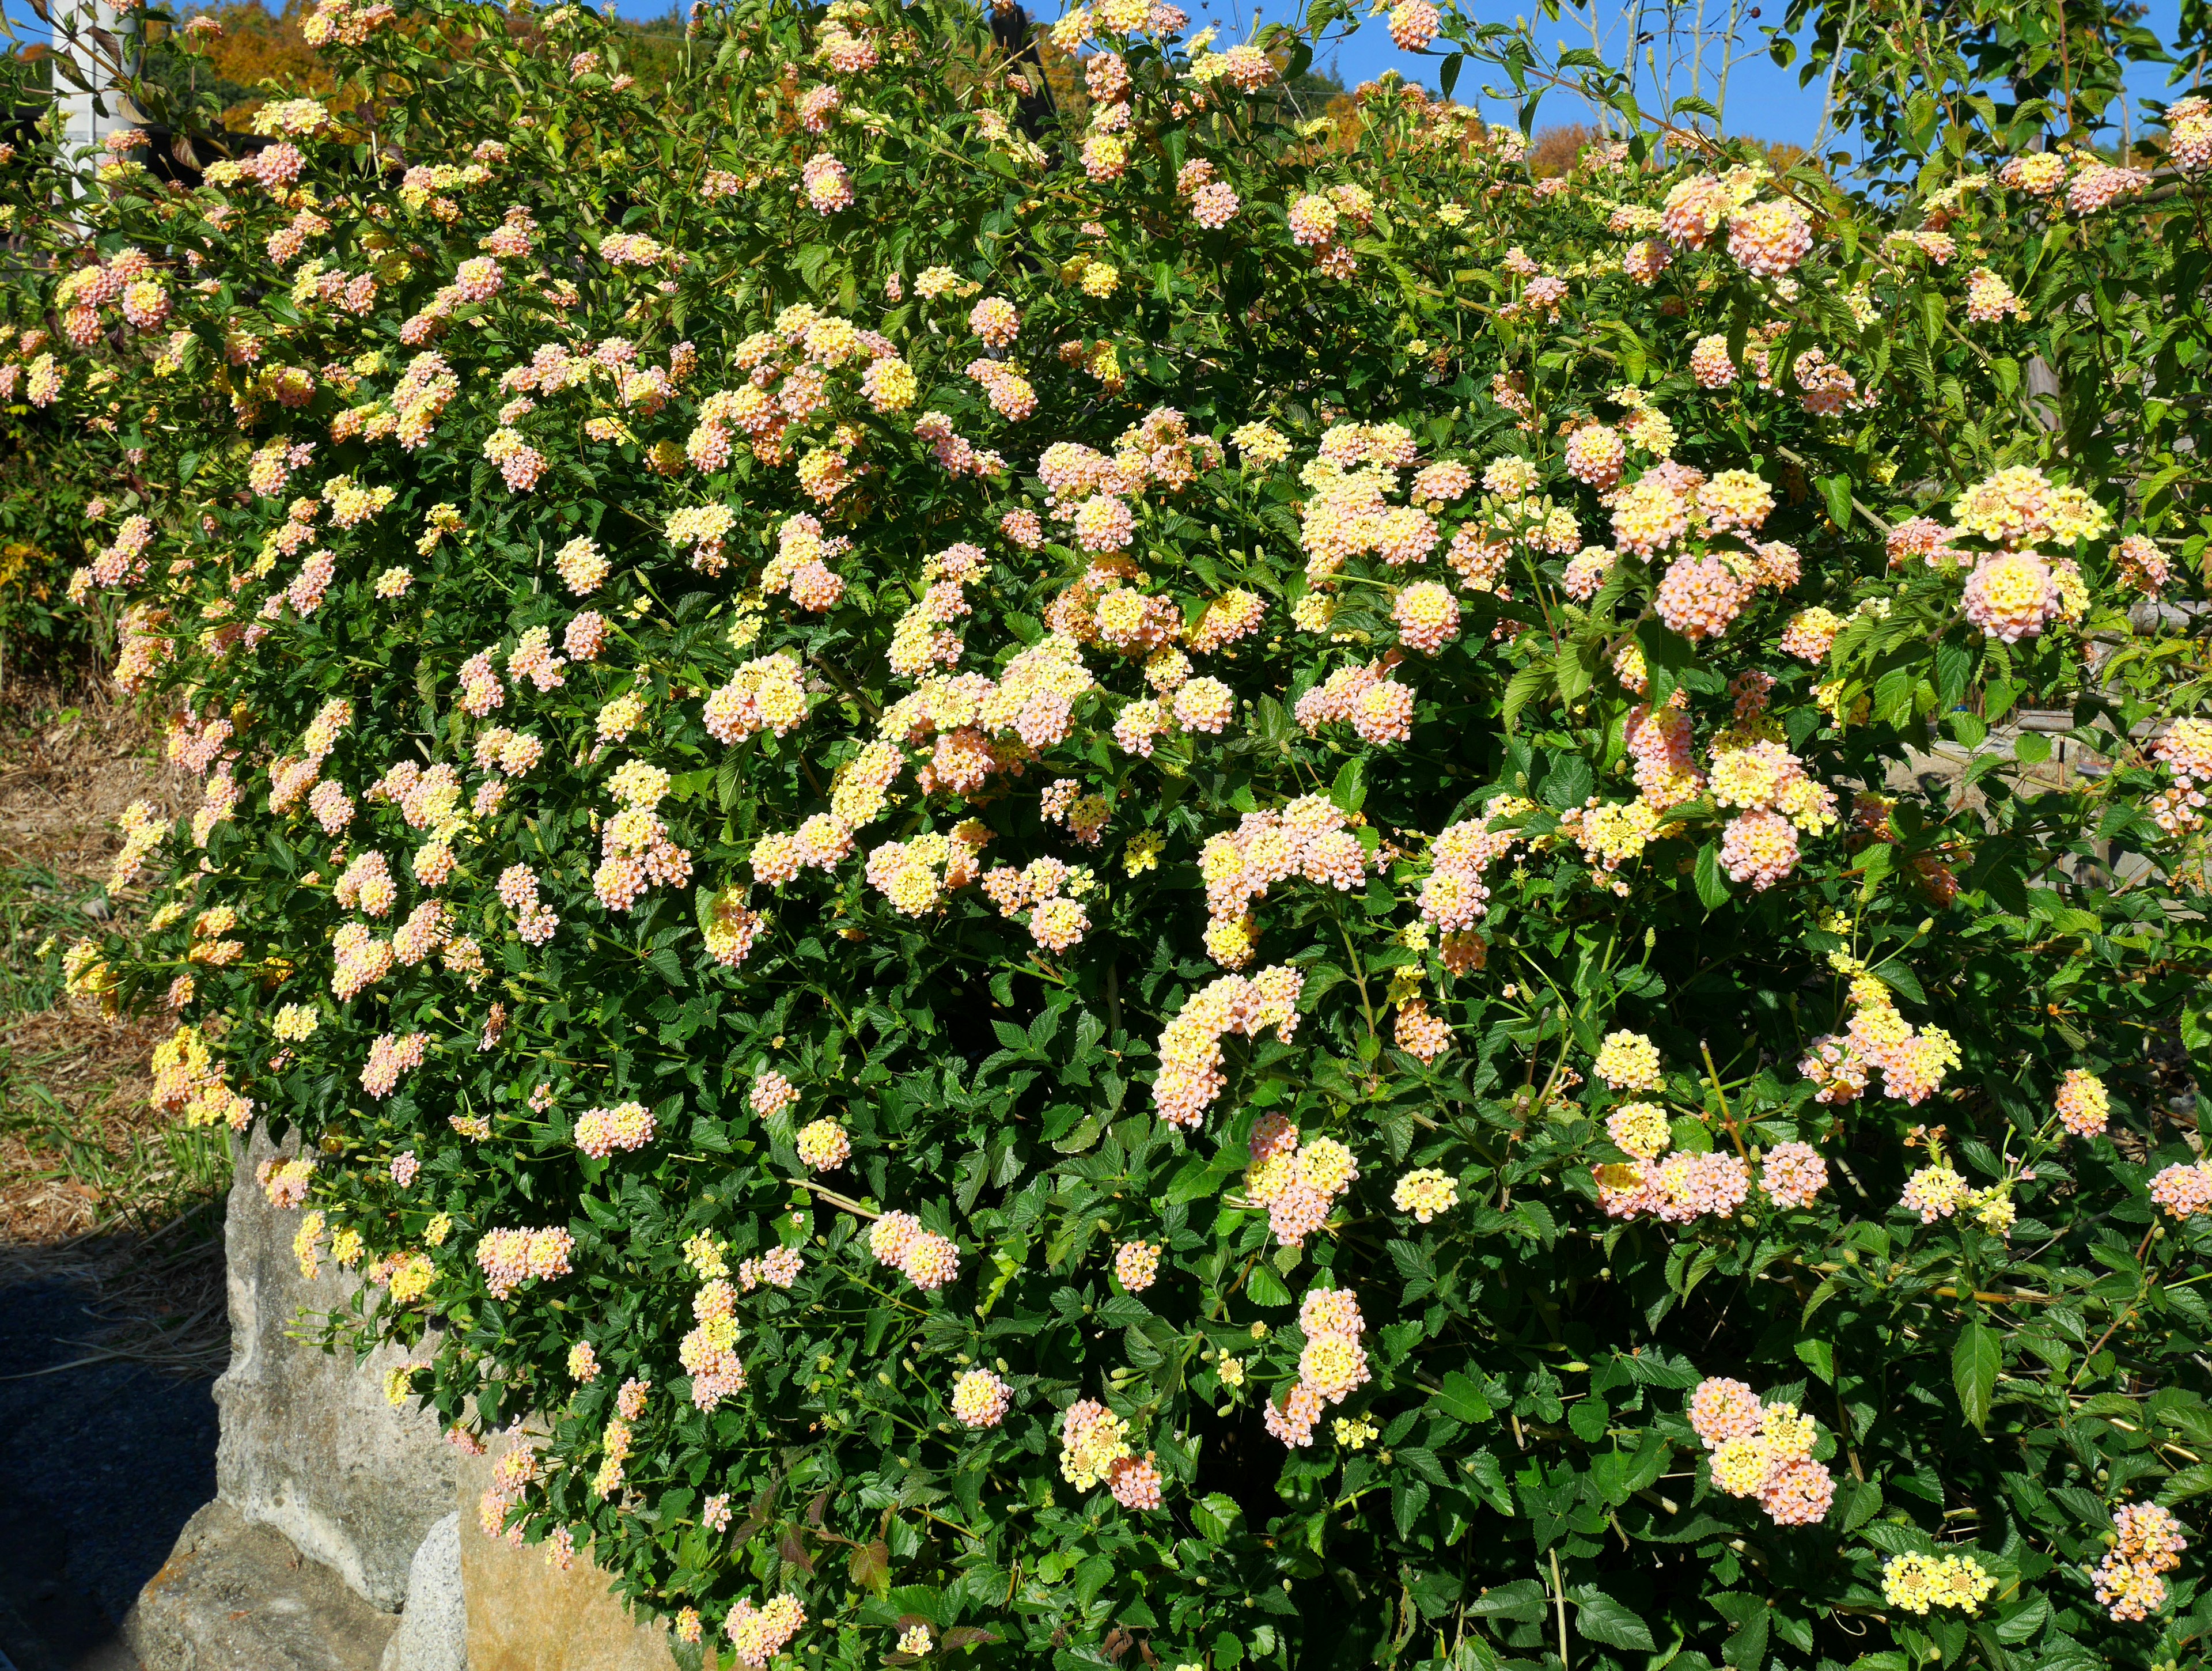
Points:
309	1445
434	1628
237	1596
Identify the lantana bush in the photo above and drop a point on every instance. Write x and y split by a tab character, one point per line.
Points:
1106	879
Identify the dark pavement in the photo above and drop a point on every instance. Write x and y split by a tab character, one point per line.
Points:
100	1467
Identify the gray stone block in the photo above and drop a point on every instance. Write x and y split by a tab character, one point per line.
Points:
236	1596
310	1446
434	1628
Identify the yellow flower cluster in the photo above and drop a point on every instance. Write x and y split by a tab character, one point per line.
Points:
1629	1061
1915	1583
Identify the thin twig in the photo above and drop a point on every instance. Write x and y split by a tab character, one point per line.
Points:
834	1198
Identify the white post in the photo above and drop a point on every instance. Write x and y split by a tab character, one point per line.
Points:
87	117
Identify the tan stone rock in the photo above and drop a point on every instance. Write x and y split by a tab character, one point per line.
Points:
525	1614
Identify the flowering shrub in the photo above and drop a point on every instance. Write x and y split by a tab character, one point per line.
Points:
1140	881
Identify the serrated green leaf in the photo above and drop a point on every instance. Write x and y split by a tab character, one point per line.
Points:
1975	1360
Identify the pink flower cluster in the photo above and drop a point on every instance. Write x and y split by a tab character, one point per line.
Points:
826	183
928	1260
1453	898
2148	1543
1660	743
709	1351
2010	595
600	1132
1378	708
1762	1450
1793	1173
758	1635
1310	837
2099	185
1300	1186
1760	848
1692	211
285	1181
980	1399
509	1258
2185	1190
635	853
1701	597
388	1058
779	1267
1770	239
1912	1061
2081	1103
1419	1031
1135	1483
2186	751
518	890
1427	615
1596	454
1332	1366
1190	1075
2140	564
1675	1190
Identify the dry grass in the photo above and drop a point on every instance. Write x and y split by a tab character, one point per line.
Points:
95	1186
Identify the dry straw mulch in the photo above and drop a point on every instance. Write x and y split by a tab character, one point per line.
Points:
96	1185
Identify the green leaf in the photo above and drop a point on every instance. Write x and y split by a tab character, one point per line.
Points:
1215	1516
2026	1625
2193	1422
1349	793
1599	1618
1818	1357
1858	1502
1588	1417
1712	886
1462	1399
1083	1137
1975	1361
1568	784
1525	686
1876	863
1423	1461
1490	1480
1523	1602
1745	1649
870	1565
1198	1177
1576	671
1407	1499
1265	1287
2185	1483
1837	491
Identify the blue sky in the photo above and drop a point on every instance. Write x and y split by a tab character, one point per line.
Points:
1764	100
